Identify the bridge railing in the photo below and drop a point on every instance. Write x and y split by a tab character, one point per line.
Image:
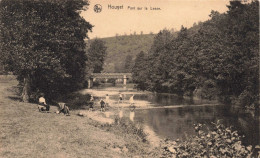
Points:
111	75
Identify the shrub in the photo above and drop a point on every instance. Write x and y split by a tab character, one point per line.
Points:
75	100
130	127
216	143
247	99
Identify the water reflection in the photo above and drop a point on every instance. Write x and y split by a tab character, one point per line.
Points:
132	115
178	123
121	113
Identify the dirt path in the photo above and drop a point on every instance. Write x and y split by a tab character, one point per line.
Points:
24	132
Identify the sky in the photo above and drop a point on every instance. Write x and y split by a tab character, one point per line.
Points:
123	17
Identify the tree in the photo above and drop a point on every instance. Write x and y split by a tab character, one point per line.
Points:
158	58
228	52
119	67
128	63
139	71
220	57
42	42
96	55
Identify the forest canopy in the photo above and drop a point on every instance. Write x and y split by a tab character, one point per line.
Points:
42	43
217	59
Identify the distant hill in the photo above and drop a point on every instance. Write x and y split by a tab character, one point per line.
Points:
119	47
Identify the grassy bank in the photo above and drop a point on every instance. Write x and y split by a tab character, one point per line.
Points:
25	132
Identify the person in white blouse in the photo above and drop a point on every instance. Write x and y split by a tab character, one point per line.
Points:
131	100
107	100
42	106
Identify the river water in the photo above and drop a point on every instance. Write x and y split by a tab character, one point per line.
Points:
171	117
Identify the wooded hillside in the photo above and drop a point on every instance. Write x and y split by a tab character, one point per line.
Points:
119	47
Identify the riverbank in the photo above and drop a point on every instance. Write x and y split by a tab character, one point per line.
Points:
25	132
144	99
116	117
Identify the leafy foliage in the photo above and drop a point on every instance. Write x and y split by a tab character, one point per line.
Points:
218	57
42	42
139	72
75	100
216	143
128	64
130	127
96	54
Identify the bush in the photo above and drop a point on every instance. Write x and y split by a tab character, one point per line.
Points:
96	83
247	99
216	143
130	127
75	100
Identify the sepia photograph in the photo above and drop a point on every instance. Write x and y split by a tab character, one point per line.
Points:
129	79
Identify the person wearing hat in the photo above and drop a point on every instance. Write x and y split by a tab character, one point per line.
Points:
63	108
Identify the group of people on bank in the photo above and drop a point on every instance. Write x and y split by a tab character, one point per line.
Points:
102	103
44	107
63	108
106	102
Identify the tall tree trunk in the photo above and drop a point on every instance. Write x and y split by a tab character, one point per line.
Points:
26	89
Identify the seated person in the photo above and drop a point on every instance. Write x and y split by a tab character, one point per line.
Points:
42	106
63	108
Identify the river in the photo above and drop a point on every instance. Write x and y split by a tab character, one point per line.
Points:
171	117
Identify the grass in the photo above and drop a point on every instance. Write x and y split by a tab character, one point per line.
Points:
136	139
25	132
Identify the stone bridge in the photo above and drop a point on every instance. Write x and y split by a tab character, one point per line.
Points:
106	76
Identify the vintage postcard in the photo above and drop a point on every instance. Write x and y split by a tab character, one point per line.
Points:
129	78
